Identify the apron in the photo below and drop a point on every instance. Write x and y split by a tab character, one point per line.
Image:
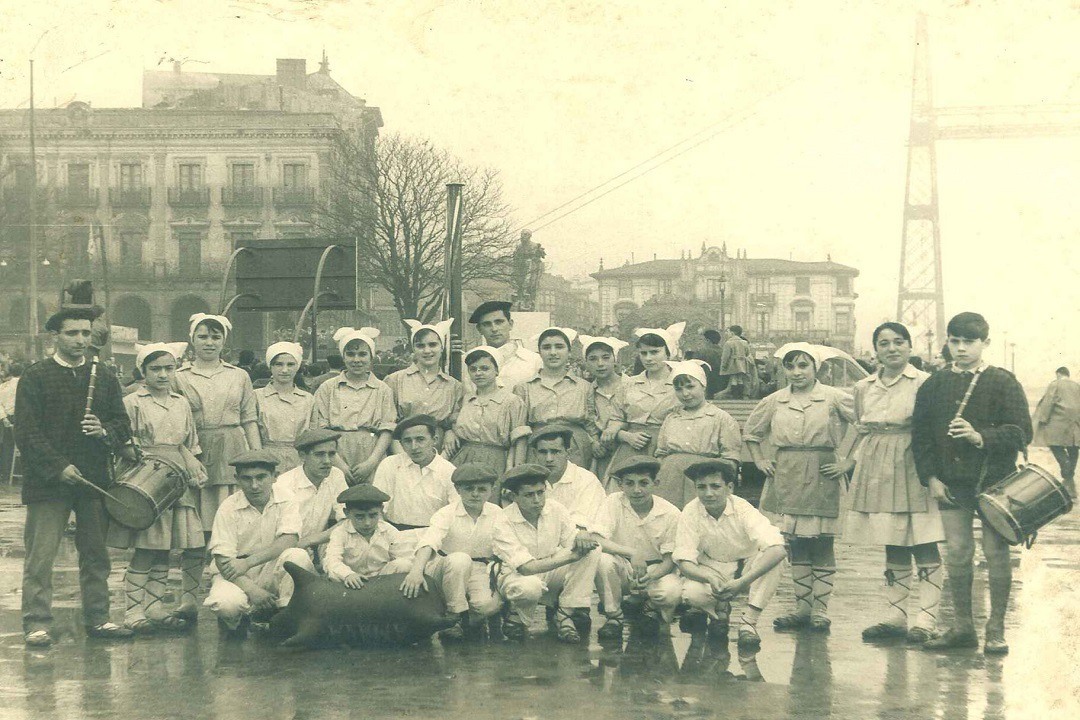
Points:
355	446
799	487
623	451
179	527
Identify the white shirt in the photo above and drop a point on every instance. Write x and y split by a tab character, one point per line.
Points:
516	541
348	552
740	532
241	530
7	397
580	492
415	492
453	530
318	506
653	535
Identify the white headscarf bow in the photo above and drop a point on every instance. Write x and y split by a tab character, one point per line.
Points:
670	336
288	348
614	343
197	318
346	335
441	328
570	333
142	352
691	368
493	352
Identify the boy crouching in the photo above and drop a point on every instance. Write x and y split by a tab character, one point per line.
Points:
365	545
542	554
637	534
255	533
715	531
454	551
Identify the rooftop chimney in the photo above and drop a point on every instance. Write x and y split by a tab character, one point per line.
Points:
291	72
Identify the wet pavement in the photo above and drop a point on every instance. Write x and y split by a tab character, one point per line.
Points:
798	676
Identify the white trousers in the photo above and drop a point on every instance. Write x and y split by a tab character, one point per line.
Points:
569	586
699	595
615	571
231	604
465	584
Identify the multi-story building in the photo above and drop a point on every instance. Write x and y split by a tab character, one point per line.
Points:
776	301
210	160
571	302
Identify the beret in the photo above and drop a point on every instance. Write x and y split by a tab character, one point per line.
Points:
636	463
413	421
524	474
490	306
473	473
255	457
546	432
711	467
362	494
310	438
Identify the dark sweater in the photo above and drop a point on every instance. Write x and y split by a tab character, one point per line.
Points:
49	404
997	409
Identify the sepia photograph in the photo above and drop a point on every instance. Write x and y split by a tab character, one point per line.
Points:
539	360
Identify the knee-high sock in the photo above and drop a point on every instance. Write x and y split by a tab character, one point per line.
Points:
929	595
1000	582
960	580
823	587
155	591
135	594
191	569
802	579
897	591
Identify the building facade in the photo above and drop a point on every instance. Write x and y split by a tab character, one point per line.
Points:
162	194
775	301
571	302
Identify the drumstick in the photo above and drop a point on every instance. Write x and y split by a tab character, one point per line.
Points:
102	490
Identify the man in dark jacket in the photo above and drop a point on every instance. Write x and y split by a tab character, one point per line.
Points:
62	450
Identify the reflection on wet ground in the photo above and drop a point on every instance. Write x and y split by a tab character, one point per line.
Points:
796	676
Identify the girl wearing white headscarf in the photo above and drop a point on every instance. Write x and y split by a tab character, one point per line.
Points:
491	429
284	409
647	398
163	426
424	387
601	355
358	405
806	422
225	409
696	431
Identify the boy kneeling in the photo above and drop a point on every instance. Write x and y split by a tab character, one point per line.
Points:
454	551
715	531
255	533
364	545
542	554
637	535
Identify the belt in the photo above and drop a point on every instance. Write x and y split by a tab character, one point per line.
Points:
806	448
406	526
484	560
884	429
372	430
495	446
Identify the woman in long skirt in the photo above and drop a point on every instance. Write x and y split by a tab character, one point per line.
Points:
225	409
425	387
163	426
490	429
358	405
888	504
806	422
601	360
696	431
284	409
556	395
647	398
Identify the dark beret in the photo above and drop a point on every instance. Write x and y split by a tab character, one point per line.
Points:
263	458
637	463
56	320
704	468
523	475
362	494
413	421
553	430
311	438
473	473
490	306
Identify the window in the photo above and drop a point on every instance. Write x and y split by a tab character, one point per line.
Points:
714	287
131	177
294	176
131	249
78	177
242	176
665	287
761	285
803	318
843	322
626	289
23	176
189	176
802	286
843	286
190	260
78	250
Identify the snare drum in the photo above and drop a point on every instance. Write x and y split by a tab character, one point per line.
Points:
144	490
1022	503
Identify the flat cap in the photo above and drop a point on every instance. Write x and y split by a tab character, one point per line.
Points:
523	475
637	463
264	458
311	438
413	421
554	430
490	306
473	473
362	494
712	467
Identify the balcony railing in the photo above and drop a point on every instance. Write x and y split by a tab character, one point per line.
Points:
189	197
242	196
129	197
294	197
78	197
768	299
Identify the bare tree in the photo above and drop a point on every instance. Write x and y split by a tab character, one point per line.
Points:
392	198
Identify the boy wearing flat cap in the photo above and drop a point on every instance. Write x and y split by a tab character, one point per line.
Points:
454	552
365	545
715	531
255	533
516	364
536	540
417	480
577	489
636	531
315	484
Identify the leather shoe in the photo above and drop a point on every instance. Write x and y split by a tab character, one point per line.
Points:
38	638
109	631
952	638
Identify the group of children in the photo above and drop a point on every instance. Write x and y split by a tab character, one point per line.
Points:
528	484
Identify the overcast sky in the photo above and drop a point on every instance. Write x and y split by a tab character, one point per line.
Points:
811	98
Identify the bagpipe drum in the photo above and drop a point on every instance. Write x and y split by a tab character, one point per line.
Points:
143	490
1018	506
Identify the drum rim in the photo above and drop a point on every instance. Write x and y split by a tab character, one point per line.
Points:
109	503
1017	530
156	512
